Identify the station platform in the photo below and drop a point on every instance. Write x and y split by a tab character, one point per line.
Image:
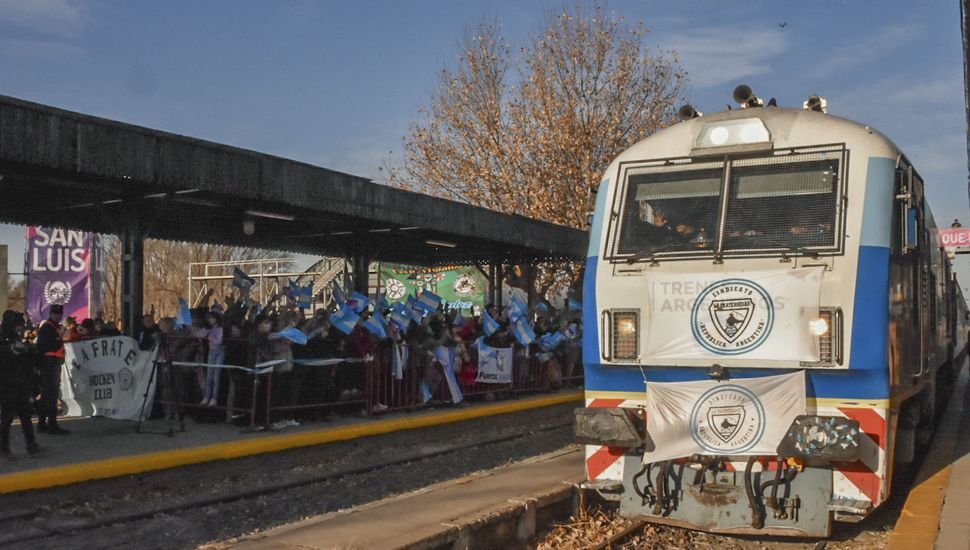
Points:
492	509
99	448
936	513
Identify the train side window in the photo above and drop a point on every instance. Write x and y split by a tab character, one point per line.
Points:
908	204
912	229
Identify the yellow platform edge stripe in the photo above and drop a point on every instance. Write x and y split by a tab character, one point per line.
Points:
136	464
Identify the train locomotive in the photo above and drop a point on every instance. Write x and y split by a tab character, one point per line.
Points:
772	324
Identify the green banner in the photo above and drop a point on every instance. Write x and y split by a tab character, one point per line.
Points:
461	287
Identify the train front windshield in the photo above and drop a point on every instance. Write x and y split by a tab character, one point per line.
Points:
771	205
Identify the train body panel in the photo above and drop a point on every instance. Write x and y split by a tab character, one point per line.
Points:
896	318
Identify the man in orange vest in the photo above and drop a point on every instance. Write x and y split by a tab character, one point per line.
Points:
50	345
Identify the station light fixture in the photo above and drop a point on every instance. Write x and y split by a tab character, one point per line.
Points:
249	226
271	215
445	244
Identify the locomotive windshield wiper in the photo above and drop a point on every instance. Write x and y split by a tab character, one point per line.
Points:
650	255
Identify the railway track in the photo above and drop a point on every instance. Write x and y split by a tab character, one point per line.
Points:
189	506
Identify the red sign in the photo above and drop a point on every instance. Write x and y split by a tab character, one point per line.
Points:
956	237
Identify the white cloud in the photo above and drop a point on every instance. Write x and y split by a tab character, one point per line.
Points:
49	16
715	56
861	50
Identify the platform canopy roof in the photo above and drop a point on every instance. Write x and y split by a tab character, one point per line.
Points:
66	169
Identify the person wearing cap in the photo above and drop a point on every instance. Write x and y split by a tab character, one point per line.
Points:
51	347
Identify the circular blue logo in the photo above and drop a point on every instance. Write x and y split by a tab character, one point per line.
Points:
732	316
727	419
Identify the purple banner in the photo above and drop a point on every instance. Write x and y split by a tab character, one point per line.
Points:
58	271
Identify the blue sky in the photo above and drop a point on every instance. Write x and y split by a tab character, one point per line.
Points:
336	84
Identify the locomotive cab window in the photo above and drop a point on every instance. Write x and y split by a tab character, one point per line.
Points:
671	212
781	203
782	206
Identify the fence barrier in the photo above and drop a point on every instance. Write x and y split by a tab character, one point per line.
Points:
283	389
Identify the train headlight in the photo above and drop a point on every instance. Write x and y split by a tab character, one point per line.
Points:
733	132
626	342
821	438
818	327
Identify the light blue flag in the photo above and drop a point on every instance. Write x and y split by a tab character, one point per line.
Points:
358	301
382	303
241	280
344	319
293	334
488	324
375	327
291	291
429	301
415	312
523	332
516	308
551	340
304	296
184	316
400	316
575	305
338	294
459	319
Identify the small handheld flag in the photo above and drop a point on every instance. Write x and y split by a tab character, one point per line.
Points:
488	324
184	316
551	340
293	334
400	316
516	308
375	327
241	280
358	301
523	332
574	305
429	301
415	312
344	319
338	294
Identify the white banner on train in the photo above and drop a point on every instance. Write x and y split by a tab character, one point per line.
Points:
746	416
750	315
107	377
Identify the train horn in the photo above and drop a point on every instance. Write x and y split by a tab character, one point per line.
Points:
816	103
688	112
745	97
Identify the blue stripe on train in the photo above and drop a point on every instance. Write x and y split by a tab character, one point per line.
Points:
866	378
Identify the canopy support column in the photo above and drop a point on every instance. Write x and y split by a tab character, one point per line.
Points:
132	237
360	263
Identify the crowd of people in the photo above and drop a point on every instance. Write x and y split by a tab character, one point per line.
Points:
239	332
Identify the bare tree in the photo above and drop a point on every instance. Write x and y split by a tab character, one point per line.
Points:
166	270
531	130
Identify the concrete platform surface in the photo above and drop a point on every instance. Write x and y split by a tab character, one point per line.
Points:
99	448
436	515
